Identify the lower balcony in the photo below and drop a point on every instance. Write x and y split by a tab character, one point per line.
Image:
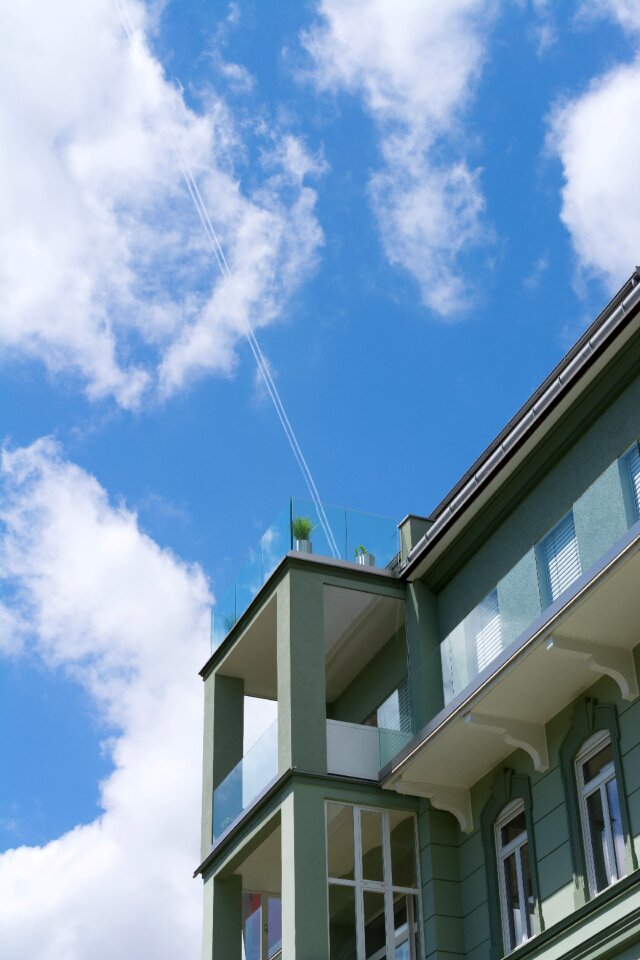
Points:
243	785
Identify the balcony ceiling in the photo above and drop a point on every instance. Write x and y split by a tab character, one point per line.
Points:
591	636
357	624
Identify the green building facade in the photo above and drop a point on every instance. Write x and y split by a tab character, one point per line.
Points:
454	772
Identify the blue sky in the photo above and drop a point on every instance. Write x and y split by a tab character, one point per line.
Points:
422	206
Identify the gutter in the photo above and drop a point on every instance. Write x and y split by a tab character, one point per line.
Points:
603	329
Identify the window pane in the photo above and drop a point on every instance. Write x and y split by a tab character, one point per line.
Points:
375	937
616	828
340	841
274	936
593	766
371	832
251	925
342	923
530	913
403	849
597	838
405	913
513	829
514	911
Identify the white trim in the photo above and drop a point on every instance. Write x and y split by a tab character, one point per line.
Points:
597	784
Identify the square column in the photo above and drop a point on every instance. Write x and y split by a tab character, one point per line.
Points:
302	712
305	932
223	742
222	929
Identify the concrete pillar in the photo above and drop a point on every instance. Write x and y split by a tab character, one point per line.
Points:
305	934
223	739
425	663
302	734
222	929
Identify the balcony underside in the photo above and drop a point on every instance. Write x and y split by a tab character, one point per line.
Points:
592	634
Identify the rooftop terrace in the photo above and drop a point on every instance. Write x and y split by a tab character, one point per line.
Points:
359	538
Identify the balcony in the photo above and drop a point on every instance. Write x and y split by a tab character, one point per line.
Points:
599	518
351	531
544	635
249	778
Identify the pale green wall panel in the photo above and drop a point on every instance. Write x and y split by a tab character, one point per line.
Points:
519	598
551	831
599	516
474	890
476	927
471	854
555	871
547	793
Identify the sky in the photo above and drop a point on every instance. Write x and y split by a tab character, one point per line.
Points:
420	206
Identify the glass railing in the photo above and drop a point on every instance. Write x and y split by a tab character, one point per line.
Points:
361	538
601	517
257	769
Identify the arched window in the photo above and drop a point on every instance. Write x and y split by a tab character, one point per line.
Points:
597	810
517	902
600	813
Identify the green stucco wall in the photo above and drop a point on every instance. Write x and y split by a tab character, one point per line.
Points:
457	882
378	680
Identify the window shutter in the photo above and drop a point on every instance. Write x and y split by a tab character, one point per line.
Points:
561	556
488	630
634	469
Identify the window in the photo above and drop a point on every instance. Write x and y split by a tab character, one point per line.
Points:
633	460
560	556
373	884
517	902
261	926
600	814
395	712
487	630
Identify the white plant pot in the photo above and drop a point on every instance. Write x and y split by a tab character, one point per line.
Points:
303	546
366	559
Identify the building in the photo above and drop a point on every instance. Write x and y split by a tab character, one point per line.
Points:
455	767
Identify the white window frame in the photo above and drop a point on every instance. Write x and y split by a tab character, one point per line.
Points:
511	811
590	748
386	886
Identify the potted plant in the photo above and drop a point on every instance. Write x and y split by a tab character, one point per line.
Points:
301	529
363	557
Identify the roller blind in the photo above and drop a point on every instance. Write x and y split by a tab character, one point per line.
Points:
560	550
487	629
634	469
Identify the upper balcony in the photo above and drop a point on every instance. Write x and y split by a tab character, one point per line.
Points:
361	538
562	616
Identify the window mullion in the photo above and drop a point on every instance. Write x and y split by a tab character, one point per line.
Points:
388	881
358	877
610	852
521	896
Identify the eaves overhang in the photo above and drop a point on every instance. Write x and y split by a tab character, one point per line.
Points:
609	331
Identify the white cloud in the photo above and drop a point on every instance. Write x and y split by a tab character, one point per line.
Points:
104	270
625	12
129	621
414	65
598	143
